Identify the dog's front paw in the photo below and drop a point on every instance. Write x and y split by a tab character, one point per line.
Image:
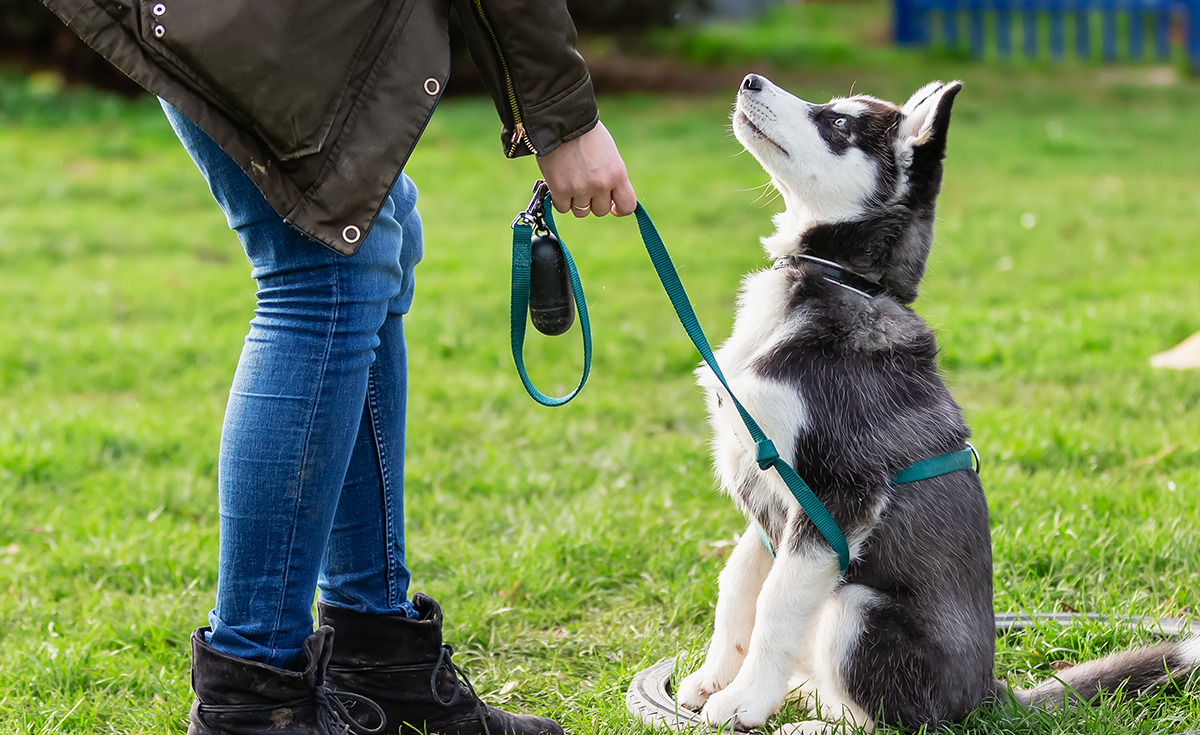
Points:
743	708
697	687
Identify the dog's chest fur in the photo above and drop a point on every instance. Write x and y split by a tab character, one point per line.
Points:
764	320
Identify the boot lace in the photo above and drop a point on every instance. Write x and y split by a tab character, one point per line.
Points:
332	713
444	660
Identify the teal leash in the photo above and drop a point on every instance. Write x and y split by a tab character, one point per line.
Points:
538	216
764	449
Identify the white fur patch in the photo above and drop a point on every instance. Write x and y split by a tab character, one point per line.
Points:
779	410
921	97
849	106
762	321
747	683
1189	650
761	318
839	627
818	185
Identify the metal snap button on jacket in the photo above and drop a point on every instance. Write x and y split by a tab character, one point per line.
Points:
159	9
351	234
159	31
432	87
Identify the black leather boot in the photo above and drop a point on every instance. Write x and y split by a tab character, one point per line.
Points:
403	665
239	697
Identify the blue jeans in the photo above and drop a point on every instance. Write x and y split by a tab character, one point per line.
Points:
311	471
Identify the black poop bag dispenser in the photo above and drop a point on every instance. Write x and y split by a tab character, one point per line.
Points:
551	300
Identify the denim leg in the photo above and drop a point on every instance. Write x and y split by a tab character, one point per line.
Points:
327	332
370	514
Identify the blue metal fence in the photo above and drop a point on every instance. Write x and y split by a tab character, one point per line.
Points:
1162	22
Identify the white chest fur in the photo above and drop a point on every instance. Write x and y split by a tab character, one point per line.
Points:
762	321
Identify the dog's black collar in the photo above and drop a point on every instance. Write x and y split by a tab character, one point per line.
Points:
833	273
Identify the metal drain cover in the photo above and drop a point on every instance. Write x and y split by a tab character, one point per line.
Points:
650	699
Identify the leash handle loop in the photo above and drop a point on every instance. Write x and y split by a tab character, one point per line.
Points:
523	227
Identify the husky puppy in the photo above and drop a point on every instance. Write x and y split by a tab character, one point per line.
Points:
843	377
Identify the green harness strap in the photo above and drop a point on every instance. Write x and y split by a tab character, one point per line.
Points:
963	459
764	450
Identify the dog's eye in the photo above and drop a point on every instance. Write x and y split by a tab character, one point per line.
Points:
840	122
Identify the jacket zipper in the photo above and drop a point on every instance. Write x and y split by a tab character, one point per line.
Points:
519	134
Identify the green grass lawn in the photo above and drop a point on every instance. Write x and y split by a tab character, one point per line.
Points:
572	547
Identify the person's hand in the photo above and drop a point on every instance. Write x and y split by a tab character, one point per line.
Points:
587	175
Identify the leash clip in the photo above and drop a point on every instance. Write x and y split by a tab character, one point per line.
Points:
532	216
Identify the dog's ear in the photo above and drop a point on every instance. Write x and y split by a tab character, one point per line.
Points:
926	116
921	139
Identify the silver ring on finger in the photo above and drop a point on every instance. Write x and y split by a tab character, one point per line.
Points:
581	209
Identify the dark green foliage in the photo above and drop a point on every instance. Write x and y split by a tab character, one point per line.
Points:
622	15
25	19
32	36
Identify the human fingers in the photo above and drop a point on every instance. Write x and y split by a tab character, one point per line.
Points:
624	199
602	203
562	205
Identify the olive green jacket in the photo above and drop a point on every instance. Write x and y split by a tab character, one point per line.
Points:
322	101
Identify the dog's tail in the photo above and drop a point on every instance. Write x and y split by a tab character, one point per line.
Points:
1132	672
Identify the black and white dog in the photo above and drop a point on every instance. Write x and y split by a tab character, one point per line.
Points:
844	379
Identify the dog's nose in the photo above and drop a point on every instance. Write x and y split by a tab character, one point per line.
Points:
752	83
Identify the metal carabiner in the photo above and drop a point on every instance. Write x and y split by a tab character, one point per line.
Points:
532	216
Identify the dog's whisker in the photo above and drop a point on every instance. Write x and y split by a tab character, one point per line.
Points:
769	201
765	192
